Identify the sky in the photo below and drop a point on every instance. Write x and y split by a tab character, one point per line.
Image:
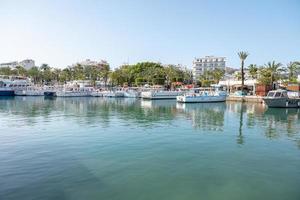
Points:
63	32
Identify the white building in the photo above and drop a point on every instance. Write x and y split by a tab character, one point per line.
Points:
207	63
27	64
89	62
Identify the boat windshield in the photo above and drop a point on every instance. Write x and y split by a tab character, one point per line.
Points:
270	94
278	94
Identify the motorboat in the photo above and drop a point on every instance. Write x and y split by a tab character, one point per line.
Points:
10	84
131	94
160	94
280	99
198	96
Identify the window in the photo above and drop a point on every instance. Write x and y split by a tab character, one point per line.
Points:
278	94
270	94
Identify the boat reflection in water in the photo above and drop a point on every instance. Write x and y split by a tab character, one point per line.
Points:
209	116
229	118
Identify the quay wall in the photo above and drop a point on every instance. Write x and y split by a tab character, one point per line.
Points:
253	99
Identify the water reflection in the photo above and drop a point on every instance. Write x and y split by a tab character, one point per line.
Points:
209	118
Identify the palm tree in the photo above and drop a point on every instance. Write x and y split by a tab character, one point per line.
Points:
243	55
253	69
275	69
293	68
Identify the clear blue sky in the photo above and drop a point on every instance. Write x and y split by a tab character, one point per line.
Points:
61	32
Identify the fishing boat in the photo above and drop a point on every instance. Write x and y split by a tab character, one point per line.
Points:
160	94
203	96
280	99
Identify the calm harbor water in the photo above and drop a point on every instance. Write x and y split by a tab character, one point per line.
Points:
127	149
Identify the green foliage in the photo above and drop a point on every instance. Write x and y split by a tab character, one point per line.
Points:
211	77
149	73
253	71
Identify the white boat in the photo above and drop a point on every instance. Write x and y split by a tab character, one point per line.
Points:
113	94
75	92
30	91
198	96
160	94
280	99
97	94
10	84
131	94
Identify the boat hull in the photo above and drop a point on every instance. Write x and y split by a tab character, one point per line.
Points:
160	95
200	99
7	93
282	102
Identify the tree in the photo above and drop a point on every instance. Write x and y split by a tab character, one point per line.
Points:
21	71
264	76
5	71
217	75
253	71
243	55
274	70
293	68
104	73
34	74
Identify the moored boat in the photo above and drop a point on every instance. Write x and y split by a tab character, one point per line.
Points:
280	99
203	97
160	94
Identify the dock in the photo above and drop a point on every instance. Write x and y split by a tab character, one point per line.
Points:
253	99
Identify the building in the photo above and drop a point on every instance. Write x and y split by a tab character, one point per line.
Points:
207	63
89	62
9	64
27	64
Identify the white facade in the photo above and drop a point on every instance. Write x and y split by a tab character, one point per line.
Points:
27	64
89	62
207	63
9	64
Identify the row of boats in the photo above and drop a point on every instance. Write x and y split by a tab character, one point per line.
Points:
22	88
275	98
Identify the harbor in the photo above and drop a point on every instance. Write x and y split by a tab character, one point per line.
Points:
149	100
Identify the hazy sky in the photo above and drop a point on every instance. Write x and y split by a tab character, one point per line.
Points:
61	32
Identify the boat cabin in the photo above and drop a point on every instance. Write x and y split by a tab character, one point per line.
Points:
277	94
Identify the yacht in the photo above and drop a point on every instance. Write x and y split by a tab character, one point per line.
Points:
161	94
10	84
280	99
6	89
75	92
206	96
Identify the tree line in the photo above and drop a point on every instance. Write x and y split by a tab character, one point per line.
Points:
269	73
132	75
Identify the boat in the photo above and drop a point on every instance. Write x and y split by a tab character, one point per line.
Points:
50	94
97	93
5	89
75	92
10	84
198	96
160	94
113	94
30	91
131	94
280	99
